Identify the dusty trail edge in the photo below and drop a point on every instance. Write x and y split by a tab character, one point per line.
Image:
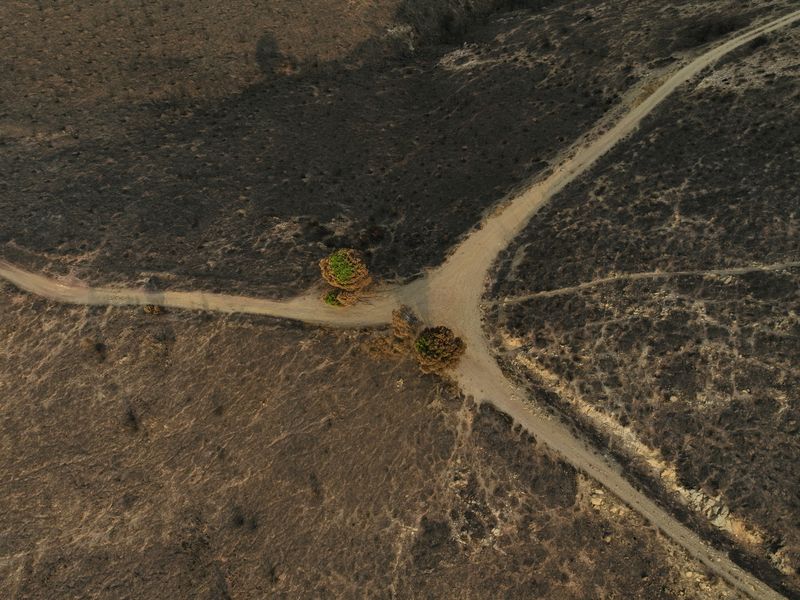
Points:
451	295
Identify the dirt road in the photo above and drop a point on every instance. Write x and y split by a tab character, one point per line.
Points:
309	308
451	295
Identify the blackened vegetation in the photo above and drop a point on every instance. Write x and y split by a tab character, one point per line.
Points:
405	155
522	504
450	21
713	396
130	419
270	59
240	519
714	185
710	29
393	154
703	368
95	348
433	544
553	479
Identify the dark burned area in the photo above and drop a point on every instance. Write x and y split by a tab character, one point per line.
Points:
385	150
702	368
710	182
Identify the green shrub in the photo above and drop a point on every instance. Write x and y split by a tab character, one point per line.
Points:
346	270
423	346
342	267
332	298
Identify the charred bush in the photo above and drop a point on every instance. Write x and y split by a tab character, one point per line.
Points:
435	543
405	324
438	349
97	348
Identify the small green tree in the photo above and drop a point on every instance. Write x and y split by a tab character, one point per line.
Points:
346	270
332	298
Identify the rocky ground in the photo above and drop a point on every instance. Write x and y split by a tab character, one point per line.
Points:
699	366
186	455
206	147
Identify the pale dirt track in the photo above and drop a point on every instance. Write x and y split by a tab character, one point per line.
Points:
308	308
451	295
647	275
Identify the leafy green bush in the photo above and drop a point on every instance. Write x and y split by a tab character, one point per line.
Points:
424	345
342	266
346	270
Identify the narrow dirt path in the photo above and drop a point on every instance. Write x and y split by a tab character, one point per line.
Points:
309	308
645	275
451	295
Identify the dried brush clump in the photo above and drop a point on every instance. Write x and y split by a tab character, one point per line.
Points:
438	349
341	298
405	324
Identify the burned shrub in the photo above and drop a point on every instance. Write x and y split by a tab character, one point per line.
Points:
97	348
241	520
435	348
434	543
708	30
438	349
130	420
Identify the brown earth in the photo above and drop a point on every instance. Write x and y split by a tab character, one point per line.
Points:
186	455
